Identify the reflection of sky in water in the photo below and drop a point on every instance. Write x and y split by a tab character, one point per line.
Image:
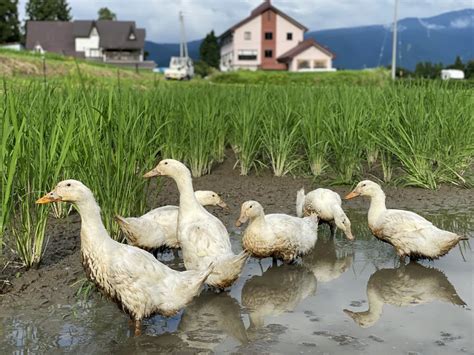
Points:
289	308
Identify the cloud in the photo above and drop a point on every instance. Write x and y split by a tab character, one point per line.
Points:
463	22
160	17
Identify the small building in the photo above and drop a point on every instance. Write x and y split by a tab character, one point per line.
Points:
114	42
447	74
269	39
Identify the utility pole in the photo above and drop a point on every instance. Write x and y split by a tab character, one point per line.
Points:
394	42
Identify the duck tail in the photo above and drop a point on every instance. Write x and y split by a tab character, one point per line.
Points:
228	269
300	202
120	220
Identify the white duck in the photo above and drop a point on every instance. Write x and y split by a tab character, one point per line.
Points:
410	234
327	204
132	277
202	237
277	235
408	285
158	227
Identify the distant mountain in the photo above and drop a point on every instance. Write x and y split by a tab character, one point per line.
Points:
436	39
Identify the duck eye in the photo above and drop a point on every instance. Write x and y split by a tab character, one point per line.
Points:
68	184
166	163
250	206
213	195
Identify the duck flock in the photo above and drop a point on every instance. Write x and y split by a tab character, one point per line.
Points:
142	285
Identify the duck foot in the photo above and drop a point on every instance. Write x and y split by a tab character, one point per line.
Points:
138	328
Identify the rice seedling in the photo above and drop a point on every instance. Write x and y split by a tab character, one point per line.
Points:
313	110
246	120
344	125
280	134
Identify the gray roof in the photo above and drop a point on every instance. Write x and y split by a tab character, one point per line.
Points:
59	36
53	36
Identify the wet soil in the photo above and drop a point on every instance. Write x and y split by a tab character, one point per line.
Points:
61	267
50	290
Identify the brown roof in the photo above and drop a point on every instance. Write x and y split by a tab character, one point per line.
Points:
53	36
59	36
266	5
301	47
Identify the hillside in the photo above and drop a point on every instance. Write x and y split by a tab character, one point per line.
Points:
436	39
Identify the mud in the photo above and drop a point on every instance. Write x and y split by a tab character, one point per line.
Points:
51	289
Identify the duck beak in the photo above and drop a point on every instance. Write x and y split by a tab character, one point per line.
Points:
352	195
223	205
152	173
48	198
349	235
242	219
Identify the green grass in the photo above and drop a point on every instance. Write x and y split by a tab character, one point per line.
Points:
108	134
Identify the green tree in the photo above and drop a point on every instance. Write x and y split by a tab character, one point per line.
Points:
458	64
48	10
209	51
106	14
9	24
469	70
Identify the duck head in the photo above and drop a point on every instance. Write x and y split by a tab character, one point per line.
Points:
344	224
364	188
210	198
66	191
249	210
168	167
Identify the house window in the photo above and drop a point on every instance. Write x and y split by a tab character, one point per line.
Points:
247	35
289	36
268	35
268	53
319	64
303	64
247	54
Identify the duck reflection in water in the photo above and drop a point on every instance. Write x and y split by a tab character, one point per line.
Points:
325	262
211	318
279	289
406	285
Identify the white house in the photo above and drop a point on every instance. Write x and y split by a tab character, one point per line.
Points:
269	39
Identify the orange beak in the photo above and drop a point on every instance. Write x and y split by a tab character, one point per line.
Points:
242	219
352	195
223	205
152	173
48	198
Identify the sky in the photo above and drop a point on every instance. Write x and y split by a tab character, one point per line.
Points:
160	17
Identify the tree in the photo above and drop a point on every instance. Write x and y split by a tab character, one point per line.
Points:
106	14
9	24
469	70
458	64
48	10
209	51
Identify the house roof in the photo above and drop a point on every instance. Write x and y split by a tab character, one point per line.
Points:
266	5
301	47
53	36
59	36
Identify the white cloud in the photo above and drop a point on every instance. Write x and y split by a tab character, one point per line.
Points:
160	17
463	22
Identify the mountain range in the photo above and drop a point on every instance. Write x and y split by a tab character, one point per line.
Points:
438	39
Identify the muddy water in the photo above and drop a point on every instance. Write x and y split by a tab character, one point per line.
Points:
344	298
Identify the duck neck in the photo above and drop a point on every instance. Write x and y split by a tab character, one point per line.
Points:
375	306
377	207
258	221
93	232
187	198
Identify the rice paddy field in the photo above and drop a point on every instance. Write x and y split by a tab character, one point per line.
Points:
415	138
